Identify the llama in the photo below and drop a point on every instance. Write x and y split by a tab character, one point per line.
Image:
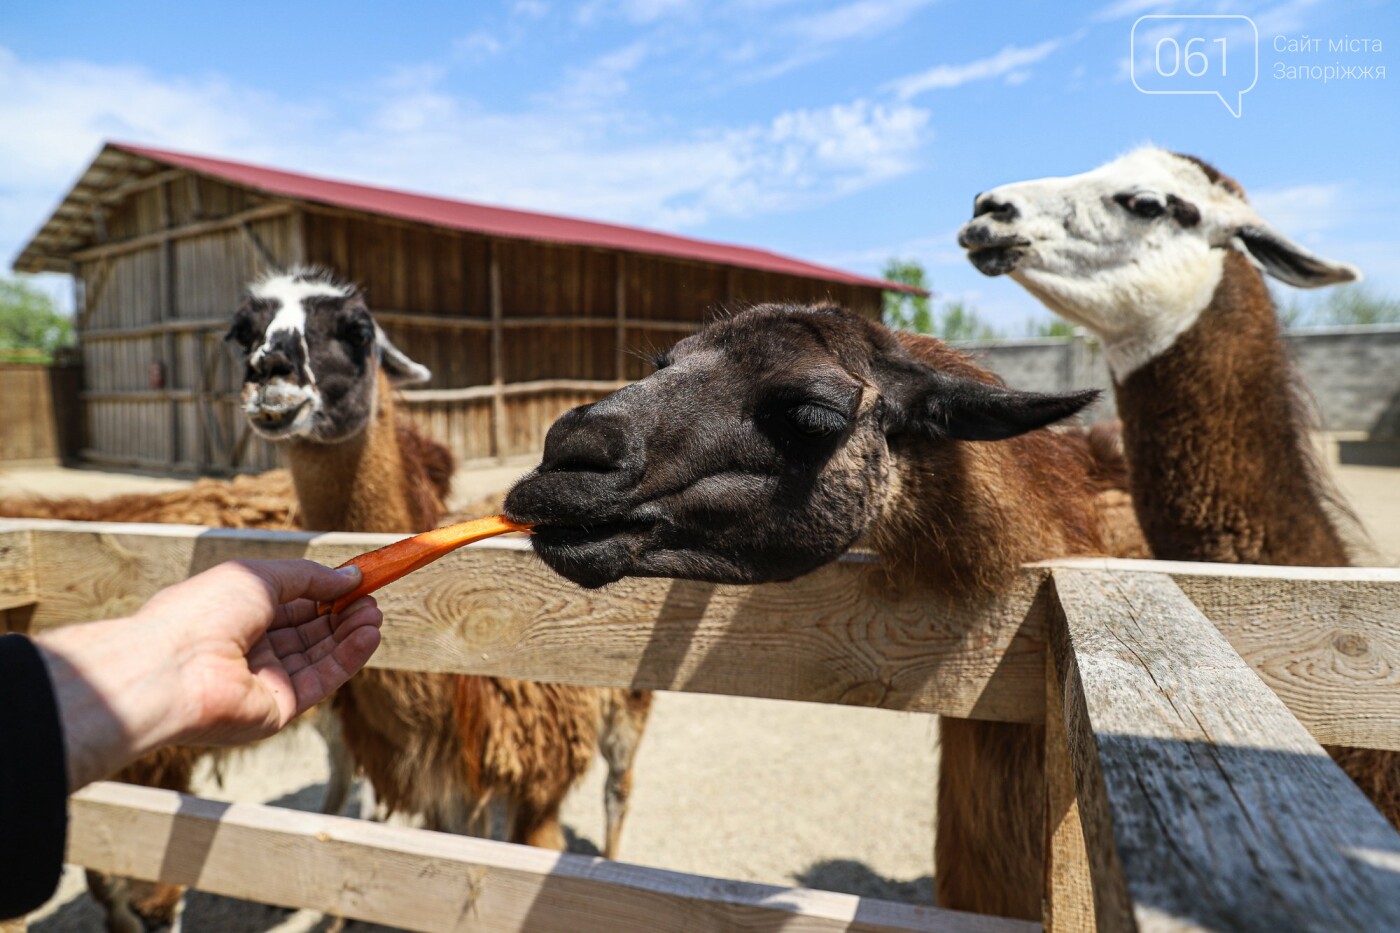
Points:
1151	253
770	442
319	381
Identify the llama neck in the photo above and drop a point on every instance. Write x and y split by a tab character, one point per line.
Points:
963	517
359	484
1222	464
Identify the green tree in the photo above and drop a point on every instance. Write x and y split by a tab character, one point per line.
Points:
955	320
1357	304
960	321
1049	327
28	319
903	310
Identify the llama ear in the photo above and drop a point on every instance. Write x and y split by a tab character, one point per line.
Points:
967	410
401	370
1288	262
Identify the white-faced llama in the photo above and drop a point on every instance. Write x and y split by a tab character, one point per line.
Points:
1163	258
319	380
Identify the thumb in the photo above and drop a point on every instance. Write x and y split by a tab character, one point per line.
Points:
297	579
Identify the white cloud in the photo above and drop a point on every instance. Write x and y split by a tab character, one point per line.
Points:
405	131
1302	211
635	11
480	44
530	9
1010	60
858	20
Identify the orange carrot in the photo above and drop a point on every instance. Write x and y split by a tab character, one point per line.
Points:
384	566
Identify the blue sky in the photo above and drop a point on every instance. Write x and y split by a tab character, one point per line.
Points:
841	132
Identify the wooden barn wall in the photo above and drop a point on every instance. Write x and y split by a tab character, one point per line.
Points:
27	415
160	383
432	289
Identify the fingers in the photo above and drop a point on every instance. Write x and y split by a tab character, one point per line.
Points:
297	579
319	656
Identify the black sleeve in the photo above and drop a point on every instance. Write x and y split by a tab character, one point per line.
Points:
33	780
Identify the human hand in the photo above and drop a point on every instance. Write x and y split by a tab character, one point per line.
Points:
228	656
251	651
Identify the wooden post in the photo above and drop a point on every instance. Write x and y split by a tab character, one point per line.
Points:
498	401
1205	804
166	312
621	303
1069	894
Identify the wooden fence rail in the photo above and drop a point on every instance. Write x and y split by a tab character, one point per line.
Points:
1185	785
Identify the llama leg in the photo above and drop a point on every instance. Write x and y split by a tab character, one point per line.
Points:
989	841
623	726
341	762
534	825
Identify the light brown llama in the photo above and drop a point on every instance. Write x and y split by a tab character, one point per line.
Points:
1143	252
770	442
443	746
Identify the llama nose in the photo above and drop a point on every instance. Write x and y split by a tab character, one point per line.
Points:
586	441
997	206
275	365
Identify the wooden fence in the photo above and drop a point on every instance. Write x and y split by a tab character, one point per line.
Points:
26	413
1184	706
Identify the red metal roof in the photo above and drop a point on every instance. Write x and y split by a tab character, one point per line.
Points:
496	221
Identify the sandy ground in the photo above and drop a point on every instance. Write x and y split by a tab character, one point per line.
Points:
784	793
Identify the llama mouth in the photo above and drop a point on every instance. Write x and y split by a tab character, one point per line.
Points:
271	422
996	260
594	554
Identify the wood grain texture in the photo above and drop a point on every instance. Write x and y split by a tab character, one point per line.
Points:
17	580
1205	804
1324	640
1068	893
840	635
421	880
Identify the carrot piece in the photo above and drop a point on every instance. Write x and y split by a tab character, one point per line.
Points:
385	565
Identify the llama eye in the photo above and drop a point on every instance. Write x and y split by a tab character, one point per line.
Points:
241	333
1143	205
358	334
816	420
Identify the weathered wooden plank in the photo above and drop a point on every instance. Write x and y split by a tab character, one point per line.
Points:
17	581
1325	639
199	228
486	393
1205	804
1068	894
841	635
421	880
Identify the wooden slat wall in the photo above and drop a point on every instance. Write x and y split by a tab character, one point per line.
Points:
26	413
416	272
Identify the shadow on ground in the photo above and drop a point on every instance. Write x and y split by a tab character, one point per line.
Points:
846	876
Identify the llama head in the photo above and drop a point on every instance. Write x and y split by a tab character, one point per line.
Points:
313	354
760	449
1132	250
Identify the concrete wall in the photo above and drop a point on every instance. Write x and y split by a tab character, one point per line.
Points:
1352	372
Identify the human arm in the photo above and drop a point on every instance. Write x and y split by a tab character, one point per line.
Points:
228	656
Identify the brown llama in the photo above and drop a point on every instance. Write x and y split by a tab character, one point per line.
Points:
1143	252
318	381
770	442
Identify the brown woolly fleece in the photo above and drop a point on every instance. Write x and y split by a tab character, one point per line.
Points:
963	519
522	742
1222	468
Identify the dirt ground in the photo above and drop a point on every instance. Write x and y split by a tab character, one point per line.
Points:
784	793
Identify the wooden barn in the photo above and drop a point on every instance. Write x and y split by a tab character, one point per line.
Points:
519	315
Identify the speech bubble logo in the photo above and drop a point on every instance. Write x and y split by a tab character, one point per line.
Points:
1195	54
